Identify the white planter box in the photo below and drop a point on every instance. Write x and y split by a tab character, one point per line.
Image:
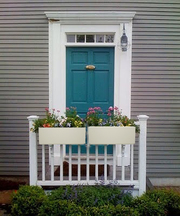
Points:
111	135
62	136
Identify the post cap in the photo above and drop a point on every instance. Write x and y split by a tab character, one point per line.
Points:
32	117
143	117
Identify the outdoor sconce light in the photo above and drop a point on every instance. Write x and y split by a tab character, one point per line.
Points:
124	40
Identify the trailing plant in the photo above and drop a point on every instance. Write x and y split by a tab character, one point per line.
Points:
71	119
94	117
113	117
53	119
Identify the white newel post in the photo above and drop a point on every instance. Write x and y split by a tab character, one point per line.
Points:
142	153
32	152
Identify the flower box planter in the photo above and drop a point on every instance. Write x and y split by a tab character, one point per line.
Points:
111	135
62	136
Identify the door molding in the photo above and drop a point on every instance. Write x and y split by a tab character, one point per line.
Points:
61	23
90	17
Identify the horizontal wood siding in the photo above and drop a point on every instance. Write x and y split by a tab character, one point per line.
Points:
155	75
156	84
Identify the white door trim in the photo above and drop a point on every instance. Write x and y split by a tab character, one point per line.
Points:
61	23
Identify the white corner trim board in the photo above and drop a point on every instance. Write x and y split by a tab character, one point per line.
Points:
84	22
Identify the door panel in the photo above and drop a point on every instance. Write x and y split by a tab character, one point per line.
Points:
79	82
89	88
100	90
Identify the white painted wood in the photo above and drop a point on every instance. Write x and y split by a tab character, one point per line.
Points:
70	163
114	162
90	17
90	22
105	162
142	153
87	164
111	135
43	163
84	182
123	168
52	161
96	162
61	162
62	136
32	152
132	163
140	184
79	163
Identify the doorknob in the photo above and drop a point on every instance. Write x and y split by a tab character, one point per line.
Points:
90	67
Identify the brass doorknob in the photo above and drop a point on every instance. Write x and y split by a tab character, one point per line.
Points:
90	67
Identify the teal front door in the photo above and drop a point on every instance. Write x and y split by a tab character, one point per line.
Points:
87	88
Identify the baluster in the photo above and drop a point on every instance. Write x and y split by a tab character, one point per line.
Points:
96	163
132	163
79	163
87	164
105	163
123	170
70	163
61	163
43	162
114	162
52	161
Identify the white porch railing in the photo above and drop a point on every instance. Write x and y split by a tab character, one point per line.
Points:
121	175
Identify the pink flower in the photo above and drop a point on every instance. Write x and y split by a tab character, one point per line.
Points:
67	108
58	110
111	108
47	109
97	108
109	114
116	108
53	110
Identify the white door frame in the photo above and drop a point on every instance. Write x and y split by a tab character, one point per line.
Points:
61	23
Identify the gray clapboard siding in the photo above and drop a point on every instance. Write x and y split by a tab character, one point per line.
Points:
155	75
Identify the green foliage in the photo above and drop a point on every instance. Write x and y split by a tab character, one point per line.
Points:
71	119
36	124
110	210
105	210
167	199
93	201
147	207
90	196
114	117
94	116
53	208
126	211
27	201
53	119
60	207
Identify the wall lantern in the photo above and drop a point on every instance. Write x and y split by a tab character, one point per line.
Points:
124	40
